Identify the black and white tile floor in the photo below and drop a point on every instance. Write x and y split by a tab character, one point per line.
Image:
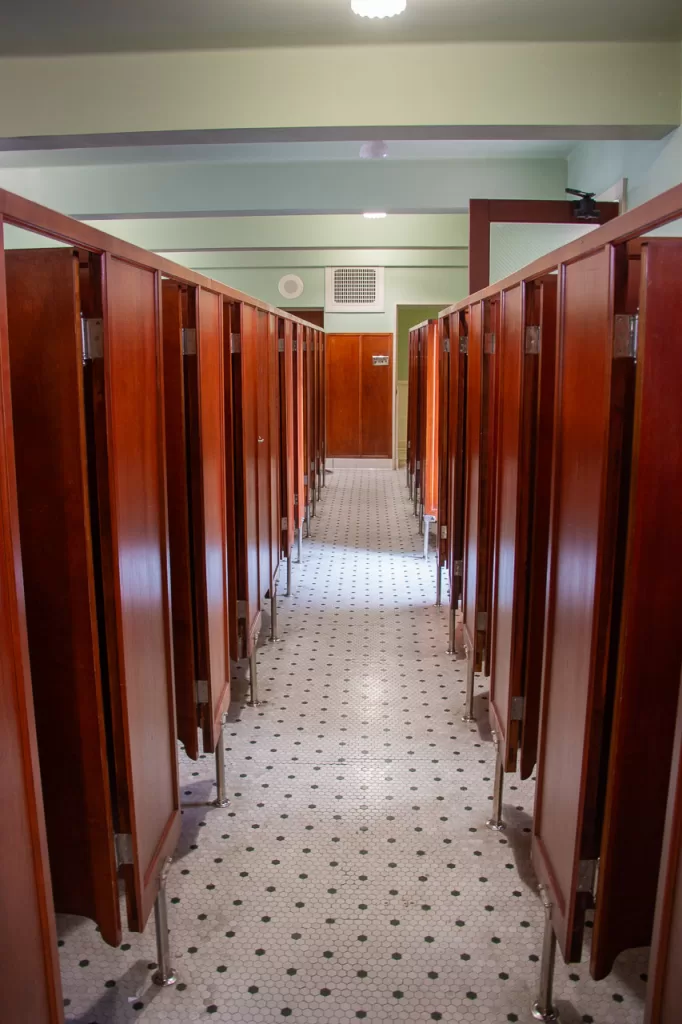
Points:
352	876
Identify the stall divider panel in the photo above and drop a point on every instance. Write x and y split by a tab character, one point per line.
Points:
274	446
180	417
263	441
457	441
287	455
491	349
30	984
231	324
299	426
213	512
430	446
148	776
443	524
470	583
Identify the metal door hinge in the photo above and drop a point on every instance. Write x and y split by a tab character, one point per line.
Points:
625	336
458	567
305	347
305	478
464	344
482	620
489	344
443	533
295	500
587	876
235	343
123	846
294	345
92	339
532	340
446	345
189	341
517	705
285	523
280	344
241	609
418	464
409	444
201	691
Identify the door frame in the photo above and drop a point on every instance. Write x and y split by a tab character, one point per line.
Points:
394	380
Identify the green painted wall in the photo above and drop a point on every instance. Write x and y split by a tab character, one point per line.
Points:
409	316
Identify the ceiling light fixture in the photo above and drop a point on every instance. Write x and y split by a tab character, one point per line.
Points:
374	216
378	8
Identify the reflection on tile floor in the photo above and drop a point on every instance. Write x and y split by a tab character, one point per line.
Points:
351	876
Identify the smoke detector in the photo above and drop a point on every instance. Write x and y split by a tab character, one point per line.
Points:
290	286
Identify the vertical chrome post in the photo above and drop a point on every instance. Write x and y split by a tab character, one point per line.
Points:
438	577
495	823
164	973
221	795
468	715
542	1008
299	541
288	591
426	524
253	701
274	638
451	631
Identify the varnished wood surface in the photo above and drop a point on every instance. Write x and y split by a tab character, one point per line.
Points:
590	418
299	427
213	516
650	642
179	527
30	985
287	405
245	421
443	524
489	411
664	991
54	515
263	443
431	393
135	434
230	321
275	449
457	450
470	583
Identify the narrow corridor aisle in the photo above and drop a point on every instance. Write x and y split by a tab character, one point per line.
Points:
352	876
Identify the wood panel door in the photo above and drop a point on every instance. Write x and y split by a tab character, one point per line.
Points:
592	398
443	331
263	442
275	443
650	641
30	985
470	582
138	620
359	399
299	427
287	453
44	322
431	421
311	346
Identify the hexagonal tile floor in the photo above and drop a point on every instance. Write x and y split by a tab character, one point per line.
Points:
351	877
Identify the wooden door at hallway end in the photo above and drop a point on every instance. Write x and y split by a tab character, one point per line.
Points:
359	369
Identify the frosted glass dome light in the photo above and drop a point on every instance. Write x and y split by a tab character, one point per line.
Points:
378	8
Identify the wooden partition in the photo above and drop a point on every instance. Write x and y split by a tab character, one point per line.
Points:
430	440
286	438
443	495
523	476
194	394
458	333
132	464
300	436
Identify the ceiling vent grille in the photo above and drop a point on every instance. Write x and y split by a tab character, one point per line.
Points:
354	290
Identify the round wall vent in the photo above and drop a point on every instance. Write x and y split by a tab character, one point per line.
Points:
290	286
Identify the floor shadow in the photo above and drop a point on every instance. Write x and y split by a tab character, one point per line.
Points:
568	1013
518	836
122	1001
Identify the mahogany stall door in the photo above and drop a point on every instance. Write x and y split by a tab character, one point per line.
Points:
56	524
456	477
213	515
30	986
274	444
299	427
431	438
138	631
588	440
245	422
470	584
359	400
287	443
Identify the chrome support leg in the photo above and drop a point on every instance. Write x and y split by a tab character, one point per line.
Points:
288	590
495	823
468	715
439	580
299	541
542	1008
164	973
451	631
221	796
274	638
253	701
426	527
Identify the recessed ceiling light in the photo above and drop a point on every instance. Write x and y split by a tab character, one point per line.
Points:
378	8
374	216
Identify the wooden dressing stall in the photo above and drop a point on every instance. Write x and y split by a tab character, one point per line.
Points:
428	437
443	495
300	442
455	327
148	413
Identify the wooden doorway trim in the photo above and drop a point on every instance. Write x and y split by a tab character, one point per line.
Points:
484	212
